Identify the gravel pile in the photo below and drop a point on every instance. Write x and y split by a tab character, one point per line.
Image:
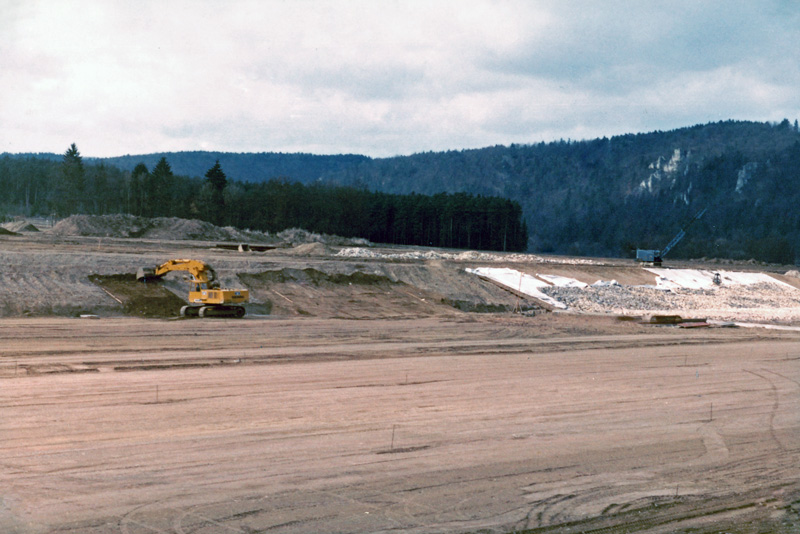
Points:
727	300
467	255
20	226
298	236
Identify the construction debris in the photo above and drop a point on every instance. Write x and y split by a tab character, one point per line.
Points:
751	294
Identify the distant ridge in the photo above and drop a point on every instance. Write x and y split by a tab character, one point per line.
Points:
245	167
600	197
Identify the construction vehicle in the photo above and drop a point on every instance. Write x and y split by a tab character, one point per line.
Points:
656	256
206	298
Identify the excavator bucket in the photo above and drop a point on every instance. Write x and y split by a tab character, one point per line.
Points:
146	274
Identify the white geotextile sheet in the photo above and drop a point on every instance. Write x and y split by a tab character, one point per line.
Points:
704	279
521	282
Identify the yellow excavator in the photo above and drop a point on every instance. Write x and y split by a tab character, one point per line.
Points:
206	298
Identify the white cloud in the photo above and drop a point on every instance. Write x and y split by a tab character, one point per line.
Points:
382	77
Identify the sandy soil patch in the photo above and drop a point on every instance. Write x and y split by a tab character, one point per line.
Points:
482	424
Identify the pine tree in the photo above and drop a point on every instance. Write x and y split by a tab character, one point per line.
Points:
217	181
137	194
70	193
161	186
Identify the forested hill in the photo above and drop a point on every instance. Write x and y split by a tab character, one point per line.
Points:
610	196
252	167
602	197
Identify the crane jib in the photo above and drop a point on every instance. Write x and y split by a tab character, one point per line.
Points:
656	256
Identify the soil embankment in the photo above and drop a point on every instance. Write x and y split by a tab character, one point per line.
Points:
300	274
357	295
150	299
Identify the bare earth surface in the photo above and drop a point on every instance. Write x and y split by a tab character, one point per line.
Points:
358	395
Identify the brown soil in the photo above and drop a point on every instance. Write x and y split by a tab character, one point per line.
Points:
168	228
480	424
357	295
589	274
309	249
421	416
140	299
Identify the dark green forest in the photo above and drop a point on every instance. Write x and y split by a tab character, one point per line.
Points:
609	196
47	186
600	197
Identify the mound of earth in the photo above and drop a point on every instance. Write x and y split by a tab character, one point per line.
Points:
358	295
167	228
298	236
20	226
139	299
5	231
308	249
176	229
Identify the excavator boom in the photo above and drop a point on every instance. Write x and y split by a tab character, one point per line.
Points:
201	272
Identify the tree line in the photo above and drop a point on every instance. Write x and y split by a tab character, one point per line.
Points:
39	186
601	197
457	220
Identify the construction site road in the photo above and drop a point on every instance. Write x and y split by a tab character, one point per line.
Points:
471	423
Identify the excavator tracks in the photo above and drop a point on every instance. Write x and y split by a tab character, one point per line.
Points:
204	312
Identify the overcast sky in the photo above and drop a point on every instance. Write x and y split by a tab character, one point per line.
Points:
383	77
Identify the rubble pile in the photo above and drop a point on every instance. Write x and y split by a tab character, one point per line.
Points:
630	299
722	295
298	236
467	255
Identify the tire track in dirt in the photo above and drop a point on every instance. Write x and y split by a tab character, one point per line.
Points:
127	521
496	425
560	511
774	409
716	448
796	382
178	526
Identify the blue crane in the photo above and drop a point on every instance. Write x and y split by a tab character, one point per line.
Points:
656	256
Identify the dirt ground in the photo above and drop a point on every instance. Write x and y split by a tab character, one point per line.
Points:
368	395
474	423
